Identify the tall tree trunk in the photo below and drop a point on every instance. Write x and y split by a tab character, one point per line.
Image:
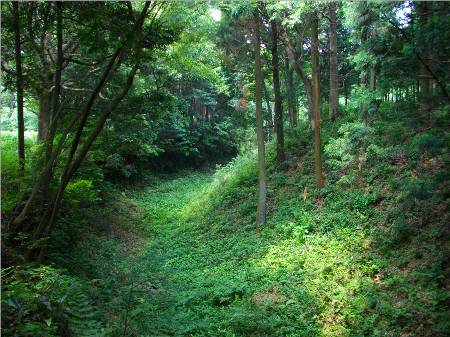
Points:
270	126
372	83
56	92
19	79
424	9
316	101
292	106
281	157
334	80
295	60
75	159
262	188
345	92
44	115
47	173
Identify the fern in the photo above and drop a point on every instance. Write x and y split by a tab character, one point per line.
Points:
44	300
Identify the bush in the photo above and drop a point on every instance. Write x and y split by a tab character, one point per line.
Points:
81	192
298	139
353	137
428	142
169	142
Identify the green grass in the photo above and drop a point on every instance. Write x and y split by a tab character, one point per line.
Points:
318	269
349	260
179	256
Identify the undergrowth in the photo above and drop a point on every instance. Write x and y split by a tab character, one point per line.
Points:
178	256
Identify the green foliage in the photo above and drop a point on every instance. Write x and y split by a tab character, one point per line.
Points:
353	138
245	166
9	114
177	255
360	103
44	301
180	256
13	183
168	143
81	191
298	139
428	142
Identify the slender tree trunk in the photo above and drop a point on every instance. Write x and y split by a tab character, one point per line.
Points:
424	9
305	79
372	84
345	92
363	77
292	106
417	90
73	162
334	80
44	115
262	189
19	78
292	54
47	173
316	101
281	157
270	127
57	83
288	89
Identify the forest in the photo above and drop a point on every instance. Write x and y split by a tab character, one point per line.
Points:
225	168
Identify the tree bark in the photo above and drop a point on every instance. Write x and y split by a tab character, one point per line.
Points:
56	92
19	81
46	174
44	115
270	126
292	106
73	163
334	79
316	101
372	83
278	109
424	10
295	60
345	92
262	188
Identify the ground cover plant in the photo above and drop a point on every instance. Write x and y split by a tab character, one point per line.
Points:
225	169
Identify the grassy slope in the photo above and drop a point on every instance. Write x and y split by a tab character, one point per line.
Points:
366	256
362	257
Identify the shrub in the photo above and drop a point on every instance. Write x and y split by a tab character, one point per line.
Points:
81	192
298	139
428	142
343	150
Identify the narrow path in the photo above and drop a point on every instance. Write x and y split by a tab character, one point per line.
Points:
169	208
213	276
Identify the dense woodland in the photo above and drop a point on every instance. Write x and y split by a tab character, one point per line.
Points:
225	168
